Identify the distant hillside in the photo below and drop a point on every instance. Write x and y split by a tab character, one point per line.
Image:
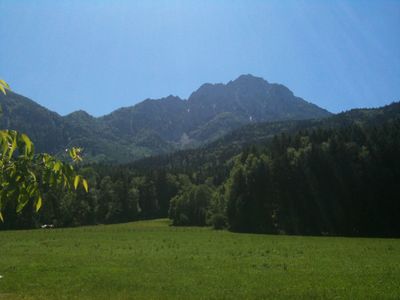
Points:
215	154
159	126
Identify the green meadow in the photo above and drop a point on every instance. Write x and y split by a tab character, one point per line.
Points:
152	260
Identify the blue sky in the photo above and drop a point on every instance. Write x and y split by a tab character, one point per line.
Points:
101	55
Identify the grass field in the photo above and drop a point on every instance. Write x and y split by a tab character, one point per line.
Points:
151	260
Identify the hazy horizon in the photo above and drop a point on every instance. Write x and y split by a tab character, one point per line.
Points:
101	55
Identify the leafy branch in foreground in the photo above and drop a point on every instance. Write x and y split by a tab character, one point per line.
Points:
24	175
4	86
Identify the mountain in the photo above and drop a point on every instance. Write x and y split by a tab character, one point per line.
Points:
45	128
158	126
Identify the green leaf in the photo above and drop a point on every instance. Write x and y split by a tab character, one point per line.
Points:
1	217
12	147
76	181
57	166
2	89
4	84
21	202
75	154
28	143
85	185
32	175
4	136
38	203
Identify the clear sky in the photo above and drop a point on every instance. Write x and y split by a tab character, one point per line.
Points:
101	55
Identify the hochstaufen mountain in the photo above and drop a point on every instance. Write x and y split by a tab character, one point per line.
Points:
158	126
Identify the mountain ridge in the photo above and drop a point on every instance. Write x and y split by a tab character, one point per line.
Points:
156	126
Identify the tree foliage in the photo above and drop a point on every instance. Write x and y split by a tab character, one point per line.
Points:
336	182
24	175
190	206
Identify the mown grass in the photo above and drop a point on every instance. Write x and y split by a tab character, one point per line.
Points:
151	260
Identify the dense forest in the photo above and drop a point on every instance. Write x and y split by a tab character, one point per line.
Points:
339	176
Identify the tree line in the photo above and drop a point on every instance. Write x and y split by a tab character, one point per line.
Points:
332	181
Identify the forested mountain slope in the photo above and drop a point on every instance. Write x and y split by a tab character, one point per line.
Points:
259	134
337	176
